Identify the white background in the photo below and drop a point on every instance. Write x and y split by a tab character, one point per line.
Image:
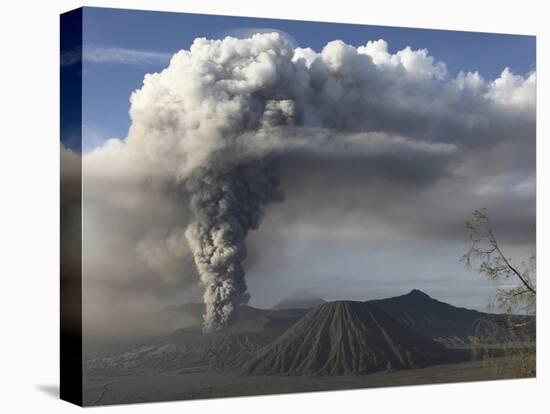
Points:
29	193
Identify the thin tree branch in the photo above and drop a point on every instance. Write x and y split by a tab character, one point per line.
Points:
508	264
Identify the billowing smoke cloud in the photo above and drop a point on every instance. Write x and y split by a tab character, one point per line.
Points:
227	116
227	203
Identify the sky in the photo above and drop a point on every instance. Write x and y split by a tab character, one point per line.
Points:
115	35
365	158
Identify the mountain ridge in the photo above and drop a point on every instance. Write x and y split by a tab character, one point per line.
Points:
431	317
346	337
256	333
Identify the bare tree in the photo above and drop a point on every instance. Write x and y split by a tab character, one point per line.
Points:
486	255
515	334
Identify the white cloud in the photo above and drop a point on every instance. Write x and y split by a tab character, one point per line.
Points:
307	54
213	98
514	90
118	55
415	62
506	186
98	54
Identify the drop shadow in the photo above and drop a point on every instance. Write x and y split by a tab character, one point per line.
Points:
49	389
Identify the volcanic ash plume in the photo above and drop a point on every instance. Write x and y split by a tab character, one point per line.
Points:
226	204
223	111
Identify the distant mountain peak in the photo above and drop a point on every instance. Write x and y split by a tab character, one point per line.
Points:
429	316
418	293
346	337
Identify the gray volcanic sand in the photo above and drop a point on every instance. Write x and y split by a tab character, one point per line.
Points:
187	384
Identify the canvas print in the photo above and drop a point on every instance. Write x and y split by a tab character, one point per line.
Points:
258	206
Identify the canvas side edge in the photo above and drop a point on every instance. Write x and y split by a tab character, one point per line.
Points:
71	382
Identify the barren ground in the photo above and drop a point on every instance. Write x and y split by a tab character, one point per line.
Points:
186	384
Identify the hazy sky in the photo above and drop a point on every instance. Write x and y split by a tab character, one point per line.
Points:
449	130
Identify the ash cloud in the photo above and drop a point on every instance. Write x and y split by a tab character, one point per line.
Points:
226	204
232	124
